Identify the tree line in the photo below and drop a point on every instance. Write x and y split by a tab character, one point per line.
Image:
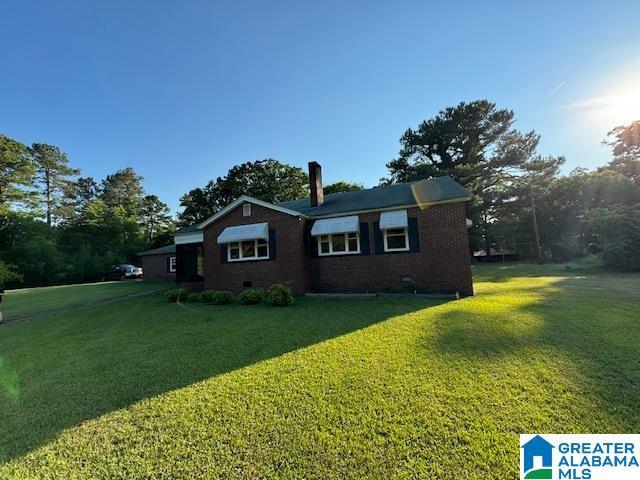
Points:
59	227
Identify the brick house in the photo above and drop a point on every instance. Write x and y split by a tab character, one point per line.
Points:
159	264
405	237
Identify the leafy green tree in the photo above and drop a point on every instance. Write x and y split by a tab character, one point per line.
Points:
17	174
77	195
154	218
617	230
625	144
53	178
267	180
123	189
342	186
477	145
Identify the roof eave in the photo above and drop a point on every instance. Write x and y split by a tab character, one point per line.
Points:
245	198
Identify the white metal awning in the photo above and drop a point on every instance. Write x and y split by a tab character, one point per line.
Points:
393	219
327	226
244	232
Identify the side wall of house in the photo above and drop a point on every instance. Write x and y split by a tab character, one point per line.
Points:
290	265
442	264
154	268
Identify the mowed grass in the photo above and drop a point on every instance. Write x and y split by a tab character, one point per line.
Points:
372	388
31	301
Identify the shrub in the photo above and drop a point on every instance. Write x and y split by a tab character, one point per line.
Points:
207	297
251	296
194	297
280	295
221	297
176	294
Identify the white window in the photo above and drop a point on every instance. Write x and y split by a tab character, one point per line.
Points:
339	243
246	210
172	264
396	239
257	249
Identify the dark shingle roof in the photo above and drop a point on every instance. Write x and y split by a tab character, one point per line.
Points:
160	250
188	229
434	190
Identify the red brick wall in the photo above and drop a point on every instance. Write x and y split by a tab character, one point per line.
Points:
289	267
154	268
442	265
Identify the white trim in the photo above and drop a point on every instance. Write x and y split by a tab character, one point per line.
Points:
331	253
172	264
245	198
406	240
247	259
191	237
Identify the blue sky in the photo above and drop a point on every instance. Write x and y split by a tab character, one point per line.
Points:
183	90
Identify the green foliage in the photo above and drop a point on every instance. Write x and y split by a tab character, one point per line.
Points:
251	296
222	297
280	295
154	217
267	180
342	186
17	174
617	231
194	297
8	276
53	177
176	295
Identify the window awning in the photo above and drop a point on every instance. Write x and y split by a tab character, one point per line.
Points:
327	226
244	232
393	219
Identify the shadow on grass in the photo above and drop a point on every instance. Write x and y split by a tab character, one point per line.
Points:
58	372
591	320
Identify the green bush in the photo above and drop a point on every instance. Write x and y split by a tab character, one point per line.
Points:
616	233
176	294
251	296
207	297
280	295
194	297
221	297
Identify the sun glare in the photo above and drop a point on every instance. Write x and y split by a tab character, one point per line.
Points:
624	107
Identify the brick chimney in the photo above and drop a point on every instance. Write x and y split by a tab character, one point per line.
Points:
315	184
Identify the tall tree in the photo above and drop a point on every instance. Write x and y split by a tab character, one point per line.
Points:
476	144
123	189
267	180
53	176
625	144
78	195
342	186
17	174
154	217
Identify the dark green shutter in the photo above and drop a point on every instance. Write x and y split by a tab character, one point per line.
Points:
365	249
223	252
313	246
378	241
414	235
272	244
168	262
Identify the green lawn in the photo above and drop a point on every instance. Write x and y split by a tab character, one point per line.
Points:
369	388
31	301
